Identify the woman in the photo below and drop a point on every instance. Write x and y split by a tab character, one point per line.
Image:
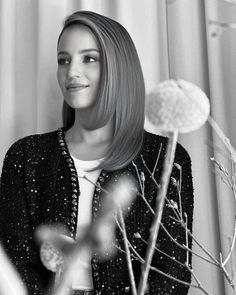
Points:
101	80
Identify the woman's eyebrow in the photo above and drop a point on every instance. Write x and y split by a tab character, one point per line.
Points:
80	51
88	50
62	52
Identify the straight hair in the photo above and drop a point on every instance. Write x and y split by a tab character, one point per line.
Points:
121	95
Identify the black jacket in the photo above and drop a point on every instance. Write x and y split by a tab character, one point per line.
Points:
39	185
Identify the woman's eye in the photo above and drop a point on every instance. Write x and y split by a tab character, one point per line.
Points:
62	61
89	59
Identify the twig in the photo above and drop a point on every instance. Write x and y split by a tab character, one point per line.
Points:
155	166
149	171
139	178
232	245
185	248
223	25
128	257
199	286
233	2
186	236
179	187
130	245
157	160
170	236
168	164
171	1
202	248
140	259
165	254
224	139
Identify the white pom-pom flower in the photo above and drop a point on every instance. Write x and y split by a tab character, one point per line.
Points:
177	105
51	254
51	257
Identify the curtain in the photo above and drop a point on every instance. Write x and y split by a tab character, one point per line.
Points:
174	39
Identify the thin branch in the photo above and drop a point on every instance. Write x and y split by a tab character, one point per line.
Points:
185	248
220	27
199	285
149	171
202	248
232	245
186	237
157	160
168	164
128	257
130	245
233	2
179	281
170	236
140	259
224	139
179	192
139	178
165	254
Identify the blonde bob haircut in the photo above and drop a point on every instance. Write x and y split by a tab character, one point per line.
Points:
121	95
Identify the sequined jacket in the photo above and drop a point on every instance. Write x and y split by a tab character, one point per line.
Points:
39	185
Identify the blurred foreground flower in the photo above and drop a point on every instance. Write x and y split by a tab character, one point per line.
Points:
10	282
177	105
59	253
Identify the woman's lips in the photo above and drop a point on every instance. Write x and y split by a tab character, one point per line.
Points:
76	87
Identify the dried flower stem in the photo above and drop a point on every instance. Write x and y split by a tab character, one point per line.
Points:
224	139
173	240
154	169
233	2
222	25
217	263
186	236
179	219
232	245
179	186
140	259
168	164
157	160
165	254
214	262
198	286
186	248
139	178
128	256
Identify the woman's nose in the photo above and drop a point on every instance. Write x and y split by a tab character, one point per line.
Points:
74	70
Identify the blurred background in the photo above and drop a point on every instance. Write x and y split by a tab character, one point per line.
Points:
192	40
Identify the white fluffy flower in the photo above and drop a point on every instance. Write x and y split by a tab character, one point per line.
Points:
51	257
177	105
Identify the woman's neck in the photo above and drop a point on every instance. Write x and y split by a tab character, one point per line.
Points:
86	144
80	133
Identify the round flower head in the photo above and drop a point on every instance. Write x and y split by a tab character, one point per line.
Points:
177	105
51	257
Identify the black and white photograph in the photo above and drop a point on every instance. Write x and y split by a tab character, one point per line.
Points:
118	147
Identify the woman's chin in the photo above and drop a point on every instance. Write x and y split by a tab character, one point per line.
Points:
79	105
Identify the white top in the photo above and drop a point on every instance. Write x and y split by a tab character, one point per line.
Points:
83	276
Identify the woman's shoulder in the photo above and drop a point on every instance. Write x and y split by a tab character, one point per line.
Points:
154	143
33	143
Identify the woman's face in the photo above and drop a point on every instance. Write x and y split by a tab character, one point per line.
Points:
79	67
